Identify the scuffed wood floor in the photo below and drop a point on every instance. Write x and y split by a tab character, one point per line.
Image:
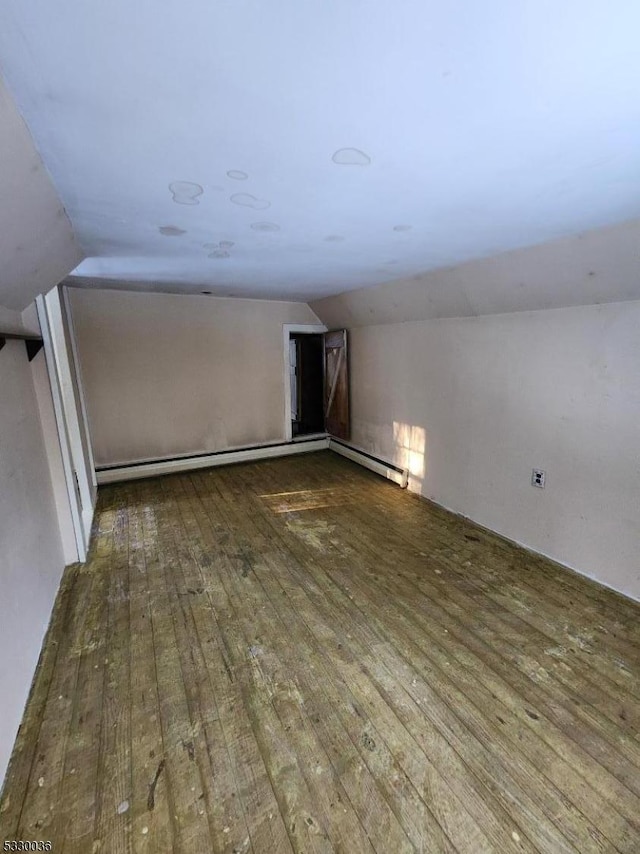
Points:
296	655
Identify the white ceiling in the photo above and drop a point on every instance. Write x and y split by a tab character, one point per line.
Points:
293	149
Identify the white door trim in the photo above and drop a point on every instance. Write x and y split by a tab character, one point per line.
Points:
61	346
287	329
78	374
63	436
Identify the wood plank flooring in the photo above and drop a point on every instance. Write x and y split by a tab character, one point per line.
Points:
295	655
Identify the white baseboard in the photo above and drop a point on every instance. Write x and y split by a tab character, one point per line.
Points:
306	437
153	468
381	467
135	471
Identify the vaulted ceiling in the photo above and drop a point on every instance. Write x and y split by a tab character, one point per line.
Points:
292	149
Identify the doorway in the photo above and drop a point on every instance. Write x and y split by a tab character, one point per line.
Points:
316	382
306	362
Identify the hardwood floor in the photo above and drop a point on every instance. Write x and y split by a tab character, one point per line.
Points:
297	655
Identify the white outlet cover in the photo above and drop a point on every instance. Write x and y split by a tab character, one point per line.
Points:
538	478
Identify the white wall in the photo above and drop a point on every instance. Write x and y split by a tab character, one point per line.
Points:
10	321
37	249
166	375
37	246
471	405
31	554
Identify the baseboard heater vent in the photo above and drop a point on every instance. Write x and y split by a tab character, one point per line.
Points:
383	467
153	468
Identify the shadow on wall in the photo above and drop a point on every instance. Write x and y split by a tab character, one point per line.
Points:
409	452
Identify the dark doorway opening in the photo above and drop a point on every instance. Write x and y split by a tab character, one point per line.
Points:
306	353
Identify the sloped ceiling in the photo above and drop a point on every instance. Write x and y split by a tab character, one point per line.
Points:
300	149
37	247
585	269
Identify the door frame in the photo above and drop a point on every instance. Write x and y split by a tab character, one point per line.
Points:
66	300
54	314
73	487
287	329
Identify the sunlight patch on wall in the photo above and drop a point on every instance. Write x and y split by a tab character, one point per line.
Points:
410	443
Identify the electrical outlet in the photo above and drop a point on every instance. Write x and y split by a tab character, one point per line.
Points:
537	478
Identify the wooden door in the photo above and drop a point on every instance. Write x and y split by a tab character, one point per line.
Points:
336	384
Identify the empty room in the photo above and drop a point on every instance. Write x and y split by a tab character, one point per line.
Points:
319	427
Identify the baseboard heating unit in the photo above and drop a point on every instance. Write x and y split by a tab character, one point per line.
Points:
153	468
382	467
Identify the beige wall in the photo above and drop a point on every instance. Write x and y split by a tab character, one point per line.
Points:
166	375
37	246
471	405
31	555
10	321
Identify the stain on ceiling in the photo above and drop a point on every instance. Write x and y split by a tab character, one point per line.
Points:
385	140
